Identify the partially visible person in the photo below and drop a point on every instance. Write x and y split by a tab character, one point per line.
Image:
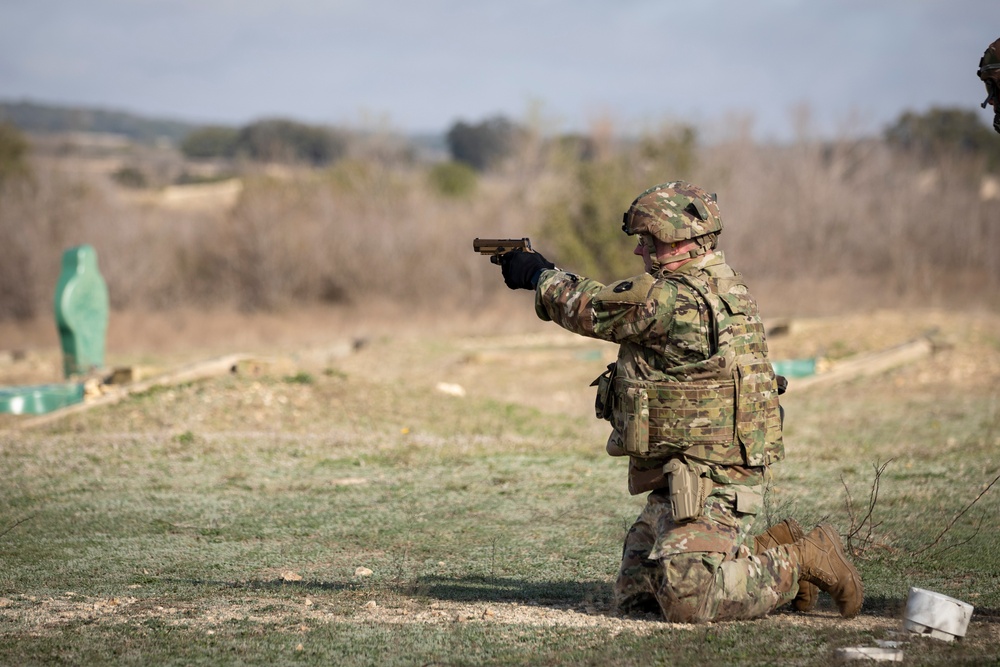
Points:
989	73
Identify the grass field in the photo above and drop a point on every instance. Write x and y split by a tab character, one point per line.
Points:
446	500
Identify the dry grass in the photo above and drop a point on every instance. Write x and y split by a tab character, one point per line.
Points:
817	228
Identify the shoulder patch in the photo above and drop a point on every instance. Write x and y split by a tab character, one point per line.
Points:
630	290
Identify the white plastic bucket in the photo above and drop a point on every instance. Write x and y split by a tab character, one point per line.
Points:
937	615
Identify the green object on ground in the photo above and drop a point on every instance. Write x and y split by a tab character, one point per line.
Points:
39	399
81	309
795	368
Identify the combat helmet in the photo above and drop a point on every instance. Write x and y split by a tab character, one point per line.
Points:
989	73
674	212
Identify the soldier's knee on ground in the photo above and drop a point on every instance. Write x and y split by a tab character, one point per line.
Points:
686	589
636	602
638	580
634	590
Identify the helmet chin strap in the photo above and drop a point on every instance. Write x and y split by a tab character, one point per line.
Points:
704	245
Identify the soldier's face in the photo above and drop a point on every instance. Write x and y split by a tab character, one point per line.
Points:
993	99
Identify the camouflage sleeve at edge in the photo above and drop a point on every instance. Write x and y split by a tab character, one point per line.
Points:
567	300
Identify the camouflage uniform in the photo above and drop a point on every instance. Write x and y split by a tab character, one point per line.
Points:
693	339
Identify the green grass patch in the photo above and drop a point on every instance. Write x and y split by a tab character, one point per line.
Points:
341	520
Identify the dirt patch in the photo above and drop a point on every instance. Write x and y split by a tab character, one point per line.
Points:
40	615
37	616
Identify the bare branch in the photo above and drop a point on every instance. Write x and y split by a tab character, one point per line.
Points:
18	523
957	517
873	500
975	532
850	513
867	522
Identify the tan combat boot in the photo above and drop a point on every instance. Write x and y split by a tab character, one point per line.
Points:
822	562
786	532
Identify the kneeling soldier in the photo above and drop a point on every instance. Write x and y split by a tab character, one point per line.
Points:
693	402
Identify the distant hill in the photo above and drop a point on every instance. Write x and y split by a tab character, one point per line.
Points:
47	118
50	118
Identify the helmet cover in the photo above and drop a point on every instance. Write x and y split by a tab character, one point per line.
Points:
989	64
673	212
989	73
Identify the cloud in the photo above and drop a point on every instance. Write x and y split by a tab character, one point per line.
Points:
425	64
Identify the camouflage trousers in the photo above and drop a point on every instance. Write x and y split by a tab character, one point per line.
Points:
703	570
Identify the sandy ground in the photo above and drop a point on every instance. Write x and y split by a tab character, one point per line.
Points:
485	351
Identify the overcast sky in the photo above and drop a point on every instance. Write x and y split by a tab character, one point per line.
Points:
420	65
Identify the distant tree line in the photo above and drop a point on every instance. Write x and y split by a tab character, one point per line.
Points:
940	132
270	140
483	145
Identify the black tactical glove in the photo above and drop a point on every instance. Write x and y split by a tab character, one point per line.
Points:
520	269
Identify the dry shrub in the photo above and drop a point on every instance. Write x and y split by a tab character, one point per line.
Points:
358	231
39	218
812	221
856	211
143	251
